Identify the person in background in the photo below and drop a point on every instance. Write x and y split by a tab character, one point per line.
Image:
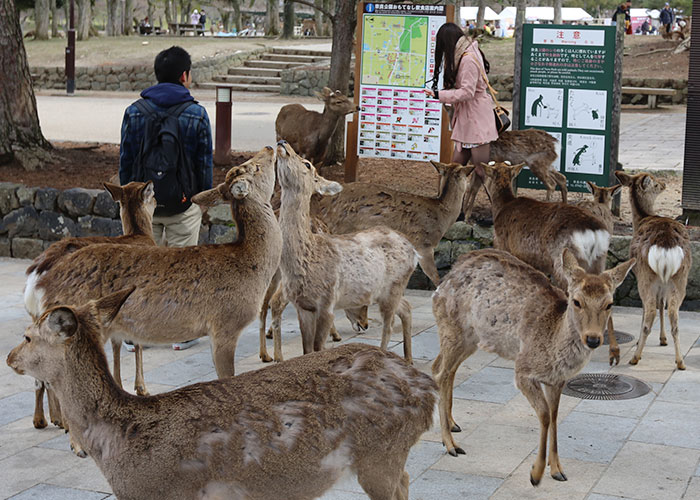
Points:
202	21
666	17
194	18
624	8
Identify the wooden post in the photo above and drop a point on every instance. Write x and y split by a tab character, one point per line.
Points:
445	134
517	70
354	125
616	107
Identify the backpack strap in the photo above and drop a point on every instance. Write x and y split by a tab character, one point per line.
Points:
145	107
176	111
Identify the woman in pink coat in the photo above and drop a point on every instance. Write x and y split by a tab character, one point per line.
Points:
473	124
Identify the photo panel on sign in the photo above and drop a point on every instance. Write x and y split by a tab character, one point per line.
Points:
544	106
587	109
585	154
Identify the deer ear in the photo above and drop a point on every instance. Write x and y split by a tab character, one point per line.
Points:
210	197
516	169
624	178
647	182
324	94
147	192
108	307
488	169
468	169
591	187
114	191
572	271
618	273
615	189
439	167
327	188
62	322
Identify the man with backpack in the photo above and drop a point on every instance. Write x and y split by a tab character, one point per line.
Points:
166	138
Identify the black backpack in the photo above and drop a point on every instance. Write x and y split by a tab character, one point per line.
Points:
161	158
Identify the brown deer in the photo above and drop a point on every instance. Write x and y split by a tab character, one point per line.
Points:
309	132
662	248
537	232
494	301
287	431
536	149
189	292
136	205
324	271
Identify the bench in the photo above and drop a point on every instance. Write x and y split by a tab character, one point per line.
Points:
651	92
180	29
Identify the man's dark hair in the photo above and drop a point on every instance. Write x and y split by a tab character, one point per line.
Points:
170	64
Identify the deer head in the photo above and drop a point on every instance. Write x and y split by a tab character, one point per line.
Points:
133	198
358	318
453	171
591	297
299	176
42	354
643	187
256	176
603	195
336	102
500	176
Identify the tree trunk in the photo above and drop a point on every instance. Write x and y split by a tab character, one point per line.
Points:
54	19
150	11
84	20
326	28
112	27
41	16
168	12
345	19
128	19
557	11
66	14
480	12
226	20
237	22
318	17
20	134
289	20
272	20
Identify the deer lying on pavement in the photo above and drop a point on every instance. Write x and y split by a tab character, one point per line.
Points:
287	431
310	132
662	248
494	301
136	205
189	292
537	232
324	271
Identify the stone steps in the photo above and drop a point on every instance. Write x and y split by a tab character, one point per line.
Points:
243	87
248	71
249	80
294	58
270	64
301	52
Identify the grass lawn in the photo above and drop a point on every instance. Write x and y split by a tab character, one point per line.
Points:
129	50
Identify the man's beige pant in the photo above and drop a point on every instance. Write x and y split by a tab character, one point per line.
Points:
179	230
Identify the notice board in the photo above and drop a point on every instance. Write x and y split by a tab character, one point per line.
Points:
566	89
394	62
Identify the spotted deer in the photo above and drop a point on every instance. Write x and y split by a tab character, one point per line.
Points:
136	205
493	301
324	271
287	431
310	132
662	248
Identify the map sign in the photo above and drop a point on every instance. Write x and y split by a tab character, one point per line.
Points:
397	120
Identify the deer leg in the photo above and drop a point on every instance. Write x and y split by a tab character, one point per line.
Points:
533	392
116	361
324	322
55	409
39	420
647	322
384	479
404	314
673	307
560	179
470	196
277	305
426	259
224	351
662	332
553	395
271	290
614	351
387	310
307	325
335	336
139	380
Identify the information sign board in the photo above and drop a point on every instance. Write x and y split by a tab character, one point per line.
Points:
566	89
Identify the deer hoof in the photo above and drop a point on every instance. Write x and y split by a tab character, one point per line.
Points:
560	476
634	361
663	342
335	337
265	358
614	356
39	423
456	451
680	365
533	481
456	428
57	422
268	335
141	391
79	453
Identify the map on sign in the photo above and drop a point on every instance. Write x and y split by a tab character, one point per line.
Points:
394	50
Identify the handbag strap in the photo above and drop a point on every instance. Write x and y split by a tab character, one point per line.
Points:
492	91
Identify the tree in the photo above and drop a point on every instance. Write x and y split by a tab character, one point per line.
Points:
41	16
113	24
54	18
272	18
289	19
127	18
84	13
20	134
557	11
480	13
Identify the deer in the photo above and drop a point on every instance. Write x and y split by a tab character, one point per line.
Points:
309	132
536	149
662	248
537	232
324	271
493	301
286	431
136	206
189	292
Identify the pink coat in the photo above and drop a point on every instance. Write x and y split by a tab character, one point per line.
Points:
473	120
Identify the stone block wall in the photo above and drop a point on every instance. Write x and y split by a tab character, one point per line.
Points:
32	218
306	80
128	78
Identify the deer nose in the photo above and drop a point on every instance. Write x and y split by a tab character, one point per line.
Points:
281	142
592	342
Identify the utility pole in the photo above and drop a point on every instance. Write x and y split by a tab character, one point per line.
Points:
70	51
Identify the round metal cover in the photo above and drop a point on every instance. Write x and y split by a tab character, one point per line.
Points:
622	337
606	386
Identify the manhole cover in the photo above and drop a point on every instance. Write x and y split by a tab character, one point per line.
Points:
622	337
605	386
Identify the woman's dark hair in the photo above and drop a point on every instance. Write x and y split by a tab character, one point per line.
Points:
170	64
447	37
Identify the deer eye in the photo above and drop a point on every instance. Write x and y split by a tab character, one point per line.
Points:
308	165
27	339
609	306
577	303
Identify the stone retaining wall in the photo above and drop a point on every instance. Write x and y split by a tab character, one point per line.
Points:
33	218
135	77
305	80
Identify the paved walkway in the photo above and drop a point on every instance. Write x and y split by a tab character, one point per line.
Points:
644	449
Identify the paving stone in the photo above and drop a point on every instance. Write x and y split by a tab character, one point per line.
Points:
495	385
649	472
21	434
682	387
22	471
435	484
424	346
16	406
51	492
183	371
85	475
633	408
693	490
343	495
672	424
592	437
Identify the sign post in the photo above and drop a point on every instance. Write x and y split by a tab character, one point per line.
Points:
567	88
394	61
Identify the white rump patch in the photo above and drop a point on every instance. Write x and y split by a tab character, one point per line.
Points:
339	459
665	262
33	296
591	244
